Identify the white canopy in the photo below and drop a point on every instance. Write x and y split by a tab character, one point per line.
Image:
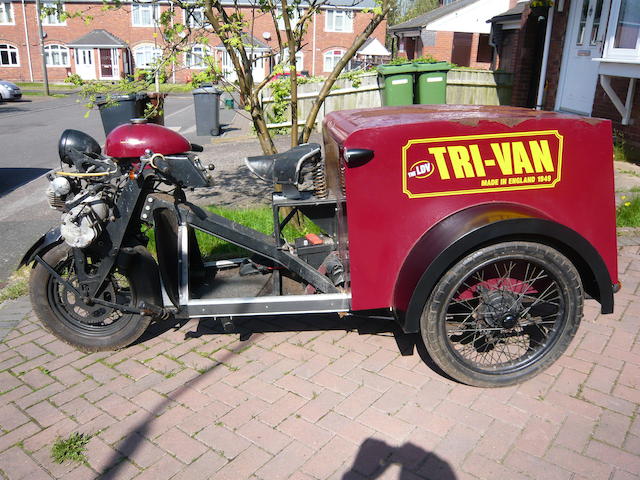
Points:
373	47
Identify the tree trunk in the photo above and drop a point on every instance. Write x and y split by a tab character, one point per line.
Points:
328	83
293	76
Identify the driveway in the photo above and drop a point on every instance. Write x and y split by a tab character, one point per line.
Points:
318	398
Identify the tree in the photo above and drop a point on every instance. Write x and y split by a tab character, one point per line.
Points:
417	8
233	22
230	24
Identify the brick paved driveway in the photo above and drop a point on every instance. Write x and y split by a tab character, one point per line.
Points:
318	399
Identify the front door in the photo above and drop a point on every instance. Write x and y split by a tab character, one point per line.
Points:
583	43
108	63
85	66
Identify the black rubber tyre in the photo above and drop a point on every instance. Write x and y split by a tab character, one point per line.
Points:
503	314
90	329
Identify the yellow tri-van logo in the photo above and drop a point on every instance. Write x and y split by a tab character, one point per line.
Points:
433	167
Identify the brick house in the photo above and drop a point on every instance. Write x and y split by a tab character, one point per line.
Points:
119	41
592	60
456	32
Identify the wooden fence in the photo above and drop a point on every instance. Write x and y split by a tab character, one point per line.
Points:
470	87
479	87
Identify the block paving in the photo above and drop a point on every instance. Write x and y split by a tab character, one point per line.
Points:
318	398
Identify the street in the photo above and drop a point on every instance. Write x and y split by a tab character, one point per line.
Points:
29	133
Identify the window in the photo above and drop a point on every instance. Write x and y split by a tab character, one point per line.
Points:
331	58
145	55
195	58
339	21
6	13
53	14
144	15
627	27
8	55
294	18
623	33
194	17
56	55
299	61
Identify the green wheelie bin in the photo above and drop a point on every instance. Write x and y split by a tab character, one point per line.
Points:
396	84
431	83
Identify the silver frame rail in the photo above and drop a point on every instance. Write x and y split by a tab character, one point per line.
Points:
269	305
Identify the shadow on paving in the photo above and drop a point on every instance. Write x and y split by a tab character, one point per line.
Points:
246	327
376	456
136	435
235	188
12	178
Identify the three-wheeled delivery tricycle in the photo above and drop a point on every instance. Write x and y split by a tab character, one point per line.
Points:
482	228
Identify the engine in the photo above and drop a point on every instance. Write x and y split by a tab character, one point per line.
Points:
86	195
83	223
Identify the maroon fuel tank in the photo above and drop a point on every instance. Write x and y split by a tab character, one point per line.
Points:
132	139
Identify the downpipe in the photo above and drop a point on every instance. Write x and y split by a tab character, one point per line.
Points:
545	59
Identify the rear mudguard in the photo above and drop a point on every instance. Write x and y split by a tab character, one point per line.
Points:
468	230
45	243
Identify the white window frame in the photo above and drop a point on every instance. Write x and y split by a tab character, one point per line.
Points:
51	20
299	61
610	52
330	20
10	48
138	7
191	20
7	16
334	58
60	49
297	13
204	51
150	52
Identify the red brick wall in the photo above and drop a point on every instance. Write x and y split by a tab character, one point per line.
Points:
443	50
560	21
602	107
119	23
508	53
526	72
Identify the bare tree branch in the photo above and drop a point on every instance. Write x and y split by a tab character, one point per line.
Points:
328	83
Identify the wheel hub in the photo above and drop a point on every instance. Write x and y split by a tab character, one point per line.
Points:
499	308
90	314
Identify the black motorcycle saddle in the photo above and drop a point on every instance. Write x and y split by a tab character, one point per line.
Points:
283	168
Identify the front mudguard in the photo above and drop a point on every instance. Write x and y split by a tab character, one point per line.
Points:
45	243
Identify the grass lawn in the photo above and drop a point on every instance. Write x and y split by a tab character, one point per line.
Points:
66	87
212	248
39	86
260	218
628	214
41	94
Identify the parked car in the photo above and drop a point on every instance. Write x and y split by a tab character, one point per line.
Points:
9	91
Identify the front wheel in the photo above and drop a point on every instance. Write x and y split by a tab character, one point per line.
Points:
503	314
90	328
